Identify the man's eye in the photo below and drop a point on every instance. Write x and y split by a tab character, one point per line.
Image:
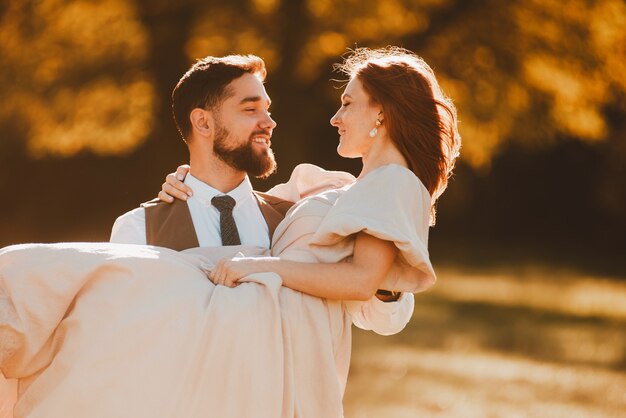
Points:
250	109
345	104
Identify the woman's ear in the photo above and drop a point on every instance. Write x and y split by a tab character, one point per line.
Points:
201	121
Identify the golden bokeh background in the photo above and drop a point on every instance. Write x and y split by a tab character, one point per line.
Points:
531	234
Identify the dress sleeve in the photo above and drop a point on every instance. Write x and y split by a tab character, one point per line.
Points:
392	204
384	318
308	180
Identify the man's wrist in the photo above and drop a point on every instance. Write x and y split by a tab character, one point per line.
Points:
388	295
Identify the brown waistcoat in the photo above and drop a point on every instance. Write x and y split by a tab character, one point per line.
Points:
169	224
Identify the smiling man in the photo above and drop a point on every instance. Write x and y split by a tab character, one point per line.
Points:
221	109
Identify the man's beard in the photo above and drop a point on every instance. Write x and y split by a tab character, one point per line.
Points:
244	157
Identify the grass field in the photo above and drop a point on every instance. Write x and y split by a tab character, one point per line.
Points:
518	342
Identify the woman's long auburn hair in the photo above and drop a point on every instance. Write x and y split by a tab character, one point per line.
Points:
420	120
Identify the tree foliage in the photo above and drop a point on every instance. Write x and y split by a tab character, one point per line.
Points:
77	72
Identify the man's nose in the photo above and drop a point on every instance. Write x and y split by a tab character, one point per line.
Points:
268	123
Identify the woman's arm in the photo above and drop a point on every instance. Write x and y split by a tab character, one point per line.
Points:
355	280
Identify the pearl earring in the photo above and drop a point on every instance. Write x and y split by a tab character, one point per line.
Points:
374	131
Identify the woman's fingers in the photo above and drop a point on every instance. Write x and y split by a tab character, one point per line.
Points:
182	171
219	273
217	276
169	190
165	197
174	186
211	276
173	180
232	282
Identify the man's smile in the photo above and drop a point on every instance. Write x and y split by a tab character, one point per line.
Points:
262	139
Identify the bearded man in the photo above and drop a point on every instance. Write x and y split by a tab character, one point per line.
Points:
221	110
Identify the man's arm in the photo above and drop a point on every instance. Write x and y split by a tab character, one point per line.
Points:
130	228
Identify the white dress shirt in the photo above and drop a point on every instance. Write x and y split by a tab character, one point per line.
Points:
130	228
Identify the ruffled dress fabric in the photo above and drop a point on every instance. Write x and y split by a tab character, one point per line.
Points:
112	330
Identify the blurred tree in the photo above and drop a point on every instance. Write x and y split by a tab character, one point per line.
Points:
73	75
529	71
92	78
526	71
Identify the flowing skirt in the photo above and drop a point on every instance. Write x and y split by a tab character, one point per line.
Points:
110	330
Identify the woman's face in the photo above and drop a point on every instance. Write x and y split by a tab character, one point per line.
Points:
355	119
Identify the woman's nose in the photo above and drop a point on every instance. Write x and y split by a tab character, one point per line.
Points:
334	121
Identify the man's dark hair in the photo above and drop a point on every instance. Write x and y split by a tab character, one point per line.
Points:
205	85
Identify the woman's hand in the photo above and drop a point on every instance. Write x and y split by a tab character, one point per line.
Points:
174	186
228	272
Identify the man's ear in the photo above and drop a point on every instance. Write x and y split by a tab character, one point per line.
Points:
201	121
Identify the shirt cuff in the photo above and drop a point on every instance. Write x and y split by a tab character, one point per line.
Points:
388	307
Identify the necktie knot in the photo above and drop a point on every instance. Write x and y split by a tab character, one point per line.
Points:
223	203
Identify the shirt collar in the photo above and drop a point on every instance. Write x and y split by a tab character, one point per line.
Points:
204	193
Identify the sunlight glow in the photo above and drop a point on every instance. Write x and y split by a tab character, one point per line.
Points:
266	6
475	385
50	84
525	72
219	32
579	295
104	117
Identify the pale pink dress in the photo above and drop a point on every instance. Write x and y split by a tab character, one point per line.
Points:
112	330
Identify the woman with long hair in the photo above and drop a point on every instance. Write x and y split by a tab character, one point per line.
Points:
104	330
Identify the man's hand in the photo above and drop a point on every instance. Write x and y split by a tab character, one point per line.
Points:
174	186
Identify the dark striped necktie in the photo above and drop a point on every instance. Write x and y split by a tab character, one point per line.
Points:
228	228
